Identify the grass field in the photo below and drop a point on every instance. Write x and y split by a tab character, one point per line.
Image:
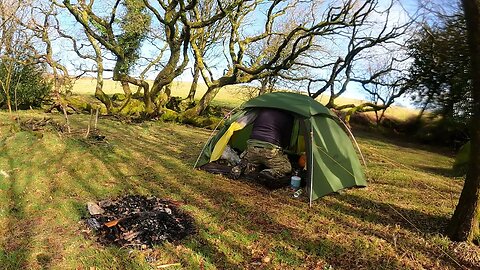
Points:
227	97
46	179
230	96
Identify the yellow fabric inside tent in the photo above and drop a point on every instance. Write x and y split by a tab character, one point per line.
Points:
223	141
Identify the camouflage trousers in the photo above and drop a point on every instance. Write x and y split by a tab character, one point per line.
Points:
276	162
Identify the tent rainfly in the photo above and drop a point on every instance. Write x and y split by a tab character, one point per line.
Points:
332	163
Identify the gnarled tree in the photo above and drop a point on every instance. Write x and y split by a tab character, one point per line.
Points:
13	45
123	38
307	42
207	40
43	20
353	59
120	35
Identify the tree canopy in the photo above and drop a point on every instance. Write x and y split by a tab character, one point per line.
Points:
439	77
318	46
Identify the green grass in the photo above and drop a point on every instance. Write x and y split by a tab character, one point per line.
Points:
52	176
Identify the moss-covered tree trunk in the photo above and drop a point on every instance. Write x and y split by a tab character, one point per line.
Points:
5	85
206	100
147	99
167	74
464	225
99	94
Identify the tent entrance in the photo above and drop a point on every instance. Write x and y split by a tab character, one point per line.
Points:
238	140
238	133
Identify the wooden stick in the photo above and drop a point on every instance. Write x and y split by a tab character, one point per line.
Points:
96	118
66	117
89	123
168	265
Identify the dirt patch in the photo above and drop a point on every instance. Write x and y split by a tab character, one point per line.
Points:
40	124
138	221
89	136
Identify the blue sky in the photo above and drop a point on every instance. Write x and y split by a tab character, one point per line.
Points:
63	50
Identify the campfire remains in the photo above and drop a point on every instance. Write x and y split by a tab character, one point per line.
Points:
89	136
39	124
138	221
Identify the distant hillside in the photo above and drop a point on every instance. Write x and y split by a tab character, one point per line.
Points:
230	96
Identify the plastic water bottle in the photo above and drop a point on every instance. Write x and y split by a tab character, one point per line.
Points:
295	181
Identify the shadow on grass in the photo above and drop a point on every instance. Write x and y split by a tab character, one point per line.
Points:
446	172
239	224
387	214
212	199
223	208
402	142
15	248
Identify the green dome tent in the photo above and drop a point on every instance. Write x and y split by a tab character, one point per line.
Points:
332	163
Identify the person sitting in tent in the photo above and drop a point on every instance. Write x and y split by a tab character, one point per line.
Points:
270	135
330	161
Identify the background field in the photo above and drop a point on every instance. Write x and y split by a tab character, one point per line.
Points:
230	96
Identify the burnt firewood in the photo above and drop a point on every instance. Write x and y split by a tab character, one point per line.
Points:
140	221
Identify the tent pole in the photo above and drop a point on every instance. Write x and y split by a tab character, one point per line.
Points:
311	168
354	140
213	131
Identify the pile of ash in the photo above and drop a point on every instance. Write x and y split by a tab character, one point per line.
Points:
138	221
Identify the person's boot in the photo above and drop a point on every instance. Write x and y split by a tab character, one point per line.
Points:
235	172
267	174
251	168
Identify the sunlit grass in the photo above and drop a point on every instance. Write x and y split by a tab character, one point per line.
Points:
228	96
395	223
